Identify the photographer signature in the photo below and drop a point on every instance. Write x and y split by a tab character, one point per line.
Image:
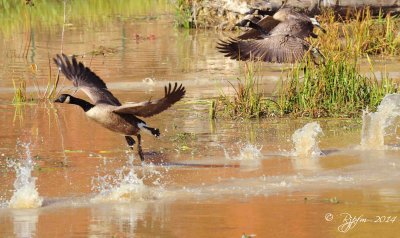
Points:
349	221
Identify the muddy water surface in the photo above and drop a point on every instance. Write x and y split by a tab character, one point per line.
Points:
202	178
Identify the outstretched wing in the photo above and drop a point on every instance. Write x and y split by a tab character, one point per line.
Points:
276	48
86	80
150	108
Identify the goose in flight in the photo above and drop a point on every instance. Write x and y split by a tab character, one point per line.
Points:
106	109
278	38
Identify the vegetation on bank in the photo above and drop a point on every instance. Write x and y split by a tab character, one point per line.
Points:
335	88
16	14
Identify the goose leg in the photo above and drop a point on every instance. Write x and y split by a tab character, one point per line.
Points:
139	137
130	141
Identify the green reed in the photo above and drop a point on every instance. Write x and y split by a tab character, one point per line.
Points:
20	94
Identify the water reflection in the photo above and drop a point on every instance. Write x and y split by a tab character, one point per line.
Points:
25	222
116	219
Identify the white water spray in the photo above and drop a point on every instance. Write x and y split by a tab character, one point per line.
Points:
305	140
123	186
375	124
25	191
249	156
249	152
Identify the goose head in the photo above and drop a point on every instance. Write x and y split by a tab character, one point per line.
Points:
64	98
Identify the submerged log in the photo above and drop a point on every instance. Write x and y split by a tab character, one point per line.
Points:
224	14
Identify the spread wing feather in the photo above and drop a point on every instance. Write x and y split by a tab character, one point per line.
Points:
86	80
150	108
276	48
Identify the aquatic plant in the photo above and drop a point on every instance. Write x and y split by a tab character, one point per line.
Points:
183	141
20	94
183	14
335	89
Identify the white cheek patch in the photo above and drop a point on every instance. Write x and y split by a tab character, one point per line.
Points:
68	99
314	21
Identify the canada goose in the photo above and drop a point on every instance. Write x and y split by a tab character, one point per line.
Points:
280	38
106	109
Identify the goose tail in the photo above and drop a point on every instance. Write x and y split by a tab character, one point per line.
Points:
153	131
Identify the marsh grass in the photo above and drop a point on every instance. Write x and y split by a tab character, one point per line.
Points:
184	141
335	89
20	94
183	14
359	35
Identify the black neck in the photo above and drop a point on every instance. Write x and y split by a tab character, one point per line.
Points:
257	27
86	106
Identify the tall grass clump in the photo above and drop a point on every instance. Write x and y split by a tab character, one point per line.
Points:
335	89
183	13
359	35
247	100
20	95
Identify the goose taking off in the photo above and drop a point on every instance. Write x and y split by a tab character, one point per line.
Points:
279	38
106	110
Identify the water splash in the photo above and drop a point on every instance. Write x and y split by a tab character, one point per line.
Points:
305	140
250	152
375	124
25	191
123	186
247	152
249	156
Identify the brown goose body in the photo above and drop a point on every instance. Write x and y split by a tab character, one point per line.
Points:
123	124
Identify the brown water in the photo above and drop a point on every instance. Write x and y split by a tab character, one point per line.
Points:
225	179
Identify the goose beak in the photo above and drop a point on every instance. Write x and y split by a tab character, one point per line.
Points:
57	100
316	23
